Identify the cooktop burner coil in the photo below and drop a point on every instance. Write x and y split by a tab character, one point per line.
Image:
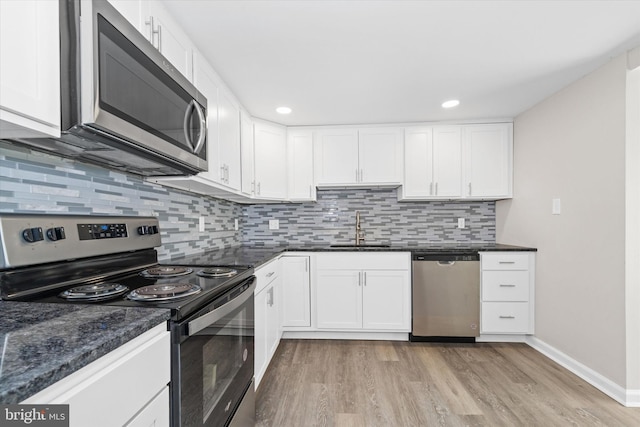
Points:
95	292
164	292
217	272
166	271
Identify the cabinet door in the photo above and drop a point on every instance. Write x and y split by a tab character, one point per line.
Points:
418	166
295	291
380	155
260	335
336	156
247	154
488	150
204	79
273	318
385	300
300	147
229	140
270	147
447	161
155	414
29	68
167	36
339	299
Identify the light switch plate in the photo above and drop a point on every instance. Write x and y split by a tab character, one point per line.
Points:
236	225
460	222
556	208
201	224
274	224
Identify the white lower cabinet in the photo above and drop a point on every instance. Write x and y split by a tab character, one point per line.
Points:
295	291
133	378
267	316
507	293
363	291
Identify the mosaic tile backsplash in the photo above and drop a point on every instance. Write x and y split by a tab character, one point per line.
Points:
33	182
382	217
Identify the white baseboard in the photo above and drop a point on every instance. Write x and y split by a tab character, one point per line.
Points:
629	398
330	335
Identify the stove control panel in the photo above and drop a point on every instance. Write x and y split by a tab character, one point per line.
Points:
31	239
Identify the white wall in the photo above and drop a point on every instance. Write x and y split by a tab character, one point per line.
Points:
572	146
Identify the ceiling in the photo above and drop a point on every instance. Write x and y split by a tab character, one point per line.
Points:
359	62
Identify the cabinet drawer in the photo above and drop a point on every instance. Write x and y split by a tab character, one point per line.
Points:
363	261
266	274
505	285
504	261
505	317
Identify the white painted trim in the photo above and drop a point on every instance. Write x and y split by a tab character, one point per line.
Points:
337	335
629	398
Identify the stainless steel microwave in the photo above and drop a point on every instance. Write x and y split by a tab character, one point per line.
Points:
123	104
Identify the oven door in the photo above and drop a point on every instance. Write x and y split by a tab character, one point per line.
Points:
212	364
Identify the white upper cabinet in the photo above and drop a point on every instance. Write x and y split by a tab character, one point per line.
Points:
167	36
29	69
300	162
358	157
488	161
336	156
247	155
229	141
471	162
380	155
206	82
270	148
447	150
432	163
132	12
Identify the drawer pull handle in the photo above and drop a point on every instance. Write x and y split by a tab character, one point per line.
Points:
507	286
271	274
507	317
506	262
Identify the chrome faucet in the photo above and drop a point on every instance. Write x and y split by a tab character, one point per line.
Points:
359	231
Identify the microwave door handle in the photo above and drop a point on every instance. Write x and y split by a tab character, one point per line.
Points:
212	317
185	125
203	128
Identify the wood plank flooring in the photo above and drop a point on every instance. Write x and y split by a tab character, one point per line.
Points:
381	383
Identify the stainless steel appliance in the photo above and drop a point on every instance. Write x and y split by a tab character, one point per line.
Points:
123	104
446	297
111	260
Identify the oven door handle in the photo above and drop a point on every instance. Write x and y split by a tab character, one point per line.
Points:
212	317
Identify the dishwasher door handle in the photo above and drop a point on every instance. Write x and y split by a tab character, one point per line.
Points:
446	263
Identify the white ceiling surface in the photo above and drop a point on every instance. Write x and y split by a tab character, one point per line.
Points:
358	62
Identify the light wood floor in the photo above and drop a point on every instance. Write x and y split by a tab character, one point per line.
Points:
380	383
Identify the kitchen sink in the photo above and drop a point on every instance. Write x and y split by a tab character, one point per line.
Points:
362	245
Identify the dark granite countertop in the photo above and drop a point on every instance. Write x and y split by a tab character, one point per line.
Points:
256	255
43	343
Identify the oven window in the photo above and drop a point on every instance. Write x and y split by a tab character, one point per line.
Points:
138	91
223	358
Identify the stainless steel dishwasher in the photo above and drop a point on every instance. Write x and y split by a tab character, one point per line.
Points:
445	297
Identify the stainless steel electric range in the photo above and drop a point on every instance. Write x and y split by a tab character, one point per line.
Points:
111	260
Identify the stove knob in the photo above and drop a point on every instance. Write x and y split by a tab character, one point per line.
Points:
33	235
143	229
153	229
56	233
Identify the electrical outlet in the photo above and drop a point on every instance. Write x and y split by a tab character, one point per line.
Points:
274	224
460	222
556	208
236	225
201	224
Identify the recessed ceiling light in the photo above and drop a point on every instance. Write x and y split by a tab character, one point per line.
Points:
450	103
283	110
